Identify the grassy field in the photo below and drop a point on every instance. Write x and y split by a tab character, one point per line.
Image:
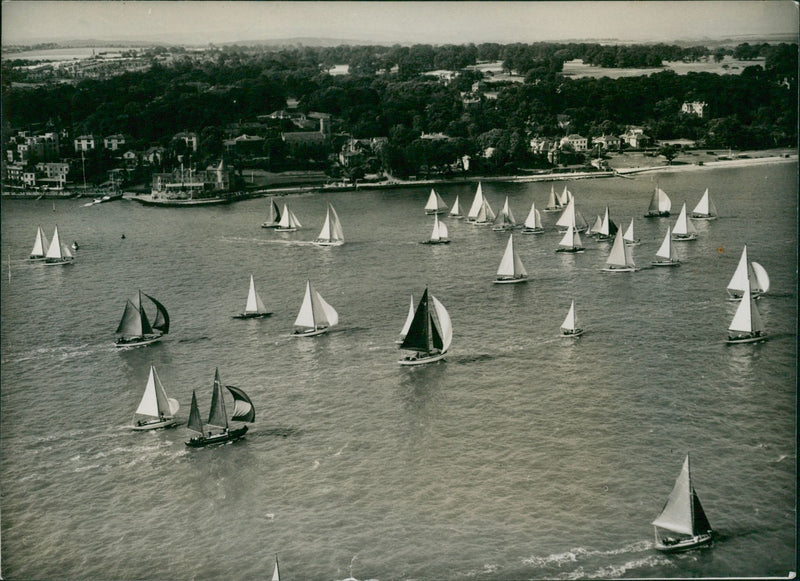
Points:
728	66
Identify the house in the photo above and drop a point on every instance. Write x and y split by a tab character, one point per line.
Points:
577	142
299	139
608	142
635	137
442	75
694	108
189	138
114	142
244	144
53	172
541	145
130	159
356	151
85	143
434	136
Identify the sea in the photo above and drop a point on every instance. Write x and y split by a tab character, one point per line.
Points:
522	455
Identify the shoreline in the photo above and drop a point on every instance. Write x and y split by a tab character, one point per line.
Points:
622	172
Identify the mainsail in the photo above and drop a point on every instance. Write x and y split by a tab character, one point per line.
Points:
747	318
659	203
667	250
195	421
254	304
40	245
455	211
705	208
315	312
435	203
620	255
628	236
570	321
477	203
331	232
217	416
425	334
511	266
155	403
683	227
683	512
134	321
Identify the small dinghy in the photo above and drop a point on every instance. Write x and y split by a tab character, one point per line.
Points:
254	308
439	234
628	237
569	328
155	410
553	202
274	215
504	219
684	230
533	223
217	430
748	275
455	211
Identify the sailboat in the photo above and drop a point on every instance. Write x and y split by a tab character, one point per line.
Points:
553	202
608	228
155	410
276	572
485	214
477	203
40	245
407	324
435	204
439	234
316	316
572	216
331	233
533	223
628	237
455	211
705	208
666	255
746	326
254	308
595	227
565	196
274	215
134	328
660	204
511	269
621	258
429	336
682	515
504	219
748	275
569	328
684	230
58	253
217	430
288	221
571	242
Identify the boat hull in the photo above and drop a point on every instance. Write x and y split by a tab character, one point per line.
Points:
702	217
657	215
695	542
269	225
571	250
223	438
326	243
510	280
554	209
533	230
666	263
571	333
414	360
432	212
279	229
310	332
155	424
684	237
49	262
252	315
435	242
750	338
138	342
622	269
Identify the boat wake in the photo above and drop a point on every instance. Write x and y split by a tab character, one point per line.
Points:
262	241
640	551
63	352
276	432
194	339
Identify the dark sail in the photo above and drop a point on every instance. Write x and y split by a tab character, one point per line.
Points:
700	524
436	336
195	421
612	228
162	317
217	416
417	338
277	211
243	409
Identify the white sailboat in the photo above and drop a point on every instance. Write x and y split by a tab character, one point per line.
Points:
565	196
316	316
274	215
628	237
288	221
595	227
746	326
533	223
748	275
485	214
276	572
407	324
660	204
155	410
511	269
705	208
439	234
571	242
429	335
553	202
572	216
477	203
608	229
58	253
666	255
569	328
455	211
684	230
504	219
683	516
331	233
435	204
40	245
620	259
254	308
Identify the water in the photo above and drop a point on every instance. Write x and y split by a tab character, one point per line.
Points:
522	456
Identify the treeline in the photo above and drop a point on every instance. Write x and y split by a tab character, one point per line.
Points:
757	108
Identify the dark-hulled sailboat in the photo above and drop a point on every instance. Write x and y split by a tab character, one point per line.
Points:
429	336
135	329
682	515
217	430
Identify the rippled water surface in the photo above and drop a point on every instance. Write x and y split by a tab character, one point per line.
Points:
522	456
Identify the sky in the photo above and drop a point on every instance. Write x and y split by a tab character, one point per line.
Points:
455	22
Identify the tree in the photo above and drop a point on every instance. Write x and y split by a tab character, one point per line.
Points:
669	152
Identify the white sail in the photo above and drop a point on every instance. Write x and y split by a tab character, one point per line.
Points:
553	202
676	515
660	202
486	212
620	255
760	281
740	279
54	250
435	203
329	315
305	318
407	324
667	251
511	265
705	207
507	214
683	227
276	574
747	318
331	232
288	219
570	321
456	209
154	402
565	196
477	203
604	225
439	230
254	304
567	217
445	325
628	236
598	223
534	219
40	245
571	239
